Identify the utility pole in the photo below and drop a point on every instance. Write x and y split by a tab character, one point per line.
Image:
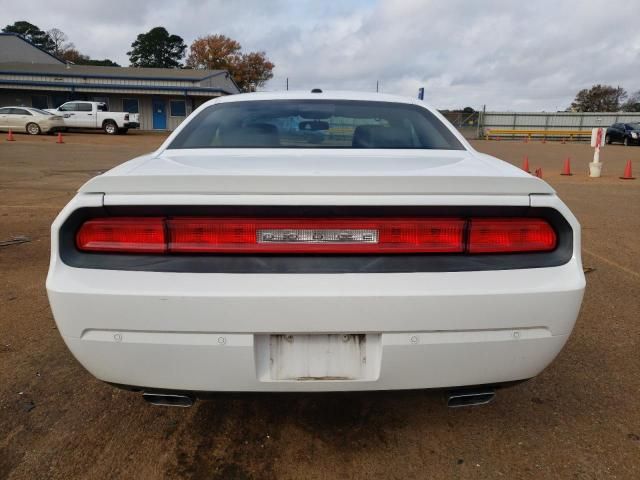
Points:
377	86
287	84
480	128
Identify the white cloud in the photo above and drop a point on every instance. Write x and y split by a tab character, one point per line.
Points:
508	55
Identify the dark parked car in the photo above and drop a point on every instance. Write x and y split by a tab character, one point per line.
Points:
625	133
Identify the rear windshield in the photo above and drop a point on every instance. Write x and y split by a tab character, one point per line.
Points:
316	124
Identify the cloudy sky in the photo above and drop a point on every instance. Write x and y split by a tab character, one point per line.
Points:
509	55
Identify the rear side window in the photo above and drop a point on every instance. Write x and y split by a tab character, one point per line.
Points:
19	111
84	107
316	124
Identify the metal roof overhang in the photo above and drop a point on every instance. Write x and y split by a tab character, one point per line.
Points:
71	74
110	88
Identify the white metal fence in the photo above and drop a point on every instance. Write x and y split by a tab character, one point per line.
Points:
551	121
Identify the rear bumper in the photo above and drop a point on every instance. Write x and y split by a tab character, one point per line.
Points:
47	127
131	125
210	332
480	357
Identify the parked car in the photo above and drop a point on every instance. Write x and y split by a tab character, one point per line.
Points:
625	133
78	114
31	120
241	257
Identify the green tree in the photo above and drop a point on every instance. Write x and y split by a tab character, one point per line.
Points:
74	56
101	63
157	48
33	34
599	98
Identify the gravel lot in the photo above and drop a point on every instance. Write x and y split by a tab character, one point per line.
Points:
579	419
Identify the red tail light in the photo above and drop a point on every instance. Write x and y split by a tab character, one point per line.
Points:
503	235
299	235
315	236
123	234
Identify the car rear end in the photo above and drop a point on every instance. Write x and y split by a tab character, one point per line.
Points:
52	124
200	270
131	120
47	121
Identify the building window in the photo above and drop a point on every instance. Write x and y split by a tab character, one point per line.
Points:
39	101
178	108
59	100
130	105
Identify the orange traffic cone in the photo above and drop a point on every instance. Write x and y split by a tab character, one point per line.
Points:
566	170
525	164
627	172
10	136
539	172
59	140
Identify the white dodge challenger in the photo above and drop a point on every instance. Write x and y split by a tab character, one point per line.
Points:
315	242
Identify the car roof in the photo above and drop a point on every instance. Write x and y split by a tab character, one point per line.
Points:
323	95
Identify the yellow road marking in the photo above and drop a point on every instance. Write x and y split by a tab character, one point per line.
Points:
612	263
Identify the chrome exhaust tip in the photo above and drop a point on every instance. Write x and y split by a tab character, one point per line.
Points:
168	399
468	397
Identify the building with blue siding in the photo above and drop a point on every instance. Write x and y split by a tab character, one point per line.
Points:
162	96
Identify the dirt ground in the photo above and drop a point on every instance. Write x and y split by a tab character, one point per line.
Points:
579	419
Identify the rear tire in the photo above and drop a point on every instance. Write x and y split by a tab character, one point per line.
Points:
110	127
607	139
33	129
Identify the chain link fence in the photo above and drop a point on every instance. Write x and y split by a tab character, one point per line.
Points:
466	122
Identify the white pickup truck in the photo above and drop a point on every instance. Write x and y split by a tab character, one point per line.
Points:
78	114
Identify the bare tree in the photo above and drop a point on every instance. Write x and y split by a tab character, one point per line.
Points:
60	41
633	104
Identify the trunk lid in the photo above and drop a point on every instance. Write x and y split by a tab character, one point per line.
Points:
313	172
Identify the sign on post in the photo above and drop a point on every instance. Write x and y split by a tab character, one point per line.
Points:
598	136
421	93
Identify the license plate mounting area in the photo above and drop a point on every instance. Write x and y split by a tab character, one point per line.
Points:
318	357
